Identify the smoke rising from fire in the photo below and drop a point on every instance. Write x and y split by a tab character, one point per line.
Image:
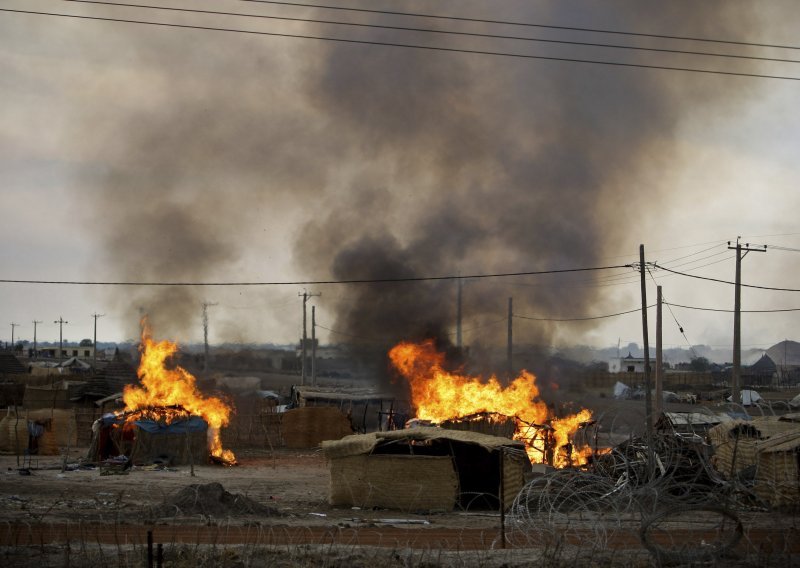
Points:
397	163
474	165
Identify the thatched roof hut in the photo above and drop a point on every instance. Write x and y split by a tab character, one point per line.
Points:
38	432
146	437
419	469
736	442
777	478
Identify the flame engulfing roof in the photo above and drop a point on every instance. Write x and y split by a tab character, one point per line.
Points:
162	388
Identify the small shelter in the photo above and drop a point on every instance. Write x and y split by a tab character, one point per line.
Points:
736	443
777	479
150	436
38	432
368	409
425	468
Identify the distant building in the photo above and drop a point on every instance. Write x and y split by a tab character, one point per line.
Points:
628	364
80	351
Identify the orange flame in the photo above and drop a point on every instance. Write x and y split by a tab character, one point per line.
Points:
162	387
438	395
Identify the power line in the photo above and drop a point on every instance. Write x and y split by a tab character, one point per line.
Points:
582	318
727	281
677	323
435	31
731	311
413	46
311	282
524	24
626	278
788	249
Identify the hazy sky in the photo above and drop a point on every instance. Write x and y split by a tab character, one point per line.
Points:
143	153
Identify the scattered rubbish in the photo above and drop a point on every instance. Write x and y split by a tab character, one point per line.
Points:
318	514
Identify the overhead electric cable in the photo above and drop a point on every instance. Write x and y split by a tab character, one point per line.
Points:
312	282
728	281
677	323
413	46
731	311
434	31
524	24
582	318
778	247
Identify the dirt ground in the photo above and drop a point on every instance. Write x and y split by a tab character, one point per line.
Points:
84	517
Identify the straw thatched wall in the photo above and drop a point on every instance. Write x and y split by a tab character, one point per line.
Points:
407	483
777	479
57	395
309	426
172	449
515	465
59	431
142	447
425	468
736	442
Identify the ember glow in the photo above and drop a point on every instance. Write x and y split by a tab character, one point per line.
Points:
438	395
163	388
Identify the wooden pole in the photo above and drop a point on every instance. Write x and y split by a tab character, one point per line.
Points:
659	401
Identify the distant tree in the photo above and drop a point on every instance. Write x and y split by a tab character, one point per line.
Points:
86	343
699	364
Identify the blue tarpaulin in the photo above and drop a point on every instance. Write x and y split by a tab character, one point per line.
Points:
191	424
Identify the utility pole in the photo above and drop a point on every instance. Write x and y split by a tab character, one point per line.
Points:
314	345
659	406
13	325
35	350
736	375
206	305
458	315
60	321
510	354
95	316
648	398
305	295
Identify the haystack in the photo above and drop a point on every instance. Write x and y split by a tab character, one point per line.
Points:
420	469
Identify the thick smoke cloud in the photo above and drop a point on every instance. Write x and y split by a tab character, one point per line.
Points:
477	165
399	163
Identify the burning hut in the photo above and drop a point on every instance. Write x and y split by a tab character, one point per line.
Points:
168	436
162	413
517	410
425	468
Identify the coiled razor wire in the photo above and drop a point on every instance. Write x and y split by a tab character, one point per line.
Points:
664	494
